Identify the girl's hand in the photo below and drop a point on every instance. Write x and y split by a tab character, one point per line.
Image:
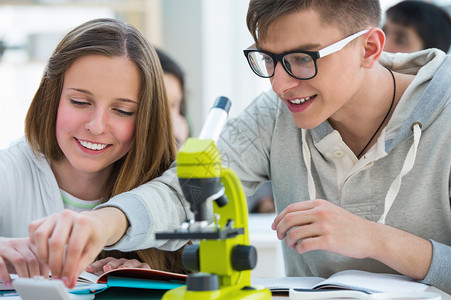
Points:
110	263
18	256
68	242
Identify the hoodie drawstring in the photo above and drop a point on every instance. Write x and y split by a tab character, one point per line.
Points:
308	162
396	184
407	166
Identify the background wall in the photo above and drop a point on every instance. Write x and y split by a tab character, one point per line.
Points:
205	37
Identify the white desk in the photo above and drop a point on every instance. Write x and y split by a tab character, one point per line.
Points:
269	248
445	296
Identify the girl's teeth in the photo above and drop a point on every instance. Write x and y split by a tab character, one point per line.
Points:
299	101
92	146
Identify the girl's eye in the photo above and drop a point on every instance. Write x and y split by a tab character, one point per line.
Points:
119	111
124	113
78	102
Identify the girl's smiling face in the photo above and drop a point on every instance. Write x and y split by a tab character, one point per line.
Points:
96	117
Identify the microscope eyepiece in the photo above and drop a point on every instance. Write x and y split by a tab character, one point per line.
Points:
216	119
223	103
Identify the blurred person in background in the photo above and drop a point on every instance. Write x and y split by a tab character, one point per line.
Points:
412	26
175	89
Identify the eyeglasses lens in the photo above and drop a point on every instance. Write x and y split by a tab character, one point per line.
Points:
262	64
299	65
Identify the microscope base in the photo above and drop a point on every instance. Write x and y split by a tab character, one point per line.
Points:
225	293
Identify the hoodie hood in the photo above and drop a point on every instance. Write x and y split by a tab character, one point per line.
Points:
433	69
435	80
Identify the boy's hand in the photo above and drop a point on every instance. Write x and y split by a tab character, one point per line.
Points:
18	256
319	224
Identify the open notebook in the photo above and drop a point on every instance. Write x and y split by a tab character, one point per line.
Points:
129	278
356	280
91	284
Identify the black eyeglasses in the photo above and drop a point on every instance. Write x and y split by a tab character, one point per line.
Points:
299	64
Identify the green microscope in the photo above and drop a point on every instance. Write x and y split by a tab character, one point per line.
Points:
223	258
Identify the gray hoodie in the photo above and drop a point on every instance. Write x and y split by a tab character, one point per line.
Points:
402	181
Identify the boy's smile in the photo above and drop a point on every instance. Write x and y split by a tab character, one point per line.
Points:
297	105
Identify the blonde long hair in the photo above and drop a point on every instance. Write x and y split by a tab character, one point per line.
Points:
153	148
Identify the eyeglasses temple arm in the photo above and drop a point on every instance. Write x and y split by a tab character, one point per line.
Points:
340	44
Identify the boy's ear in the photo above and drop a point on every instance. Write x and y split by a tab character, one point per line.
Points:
373	46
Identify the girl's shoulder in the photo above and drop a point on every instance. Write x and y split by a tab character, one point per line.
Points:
19	158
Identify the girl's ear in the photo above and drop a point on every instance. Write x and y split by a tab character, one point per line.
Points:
373	46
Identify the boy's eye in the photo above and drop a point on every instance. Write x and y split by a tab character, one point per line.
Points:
267	59
298	59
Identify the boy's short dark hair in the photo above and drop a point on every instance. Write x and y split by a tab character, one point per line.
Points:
349	16
430	22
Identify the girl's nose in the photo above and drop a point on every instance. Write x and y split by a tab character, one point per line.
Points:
97	124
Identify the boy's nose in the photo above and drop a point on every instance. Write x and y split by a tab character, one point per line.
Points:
282	81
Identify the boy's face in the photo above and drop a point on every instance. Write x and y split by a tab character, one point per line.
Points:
339	74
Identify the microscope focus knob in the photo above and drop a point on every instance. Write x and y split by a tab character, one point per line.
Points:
200	282
190	258
244	257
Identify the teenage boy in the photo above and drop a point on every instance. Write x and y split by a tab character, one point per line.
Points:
357	146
